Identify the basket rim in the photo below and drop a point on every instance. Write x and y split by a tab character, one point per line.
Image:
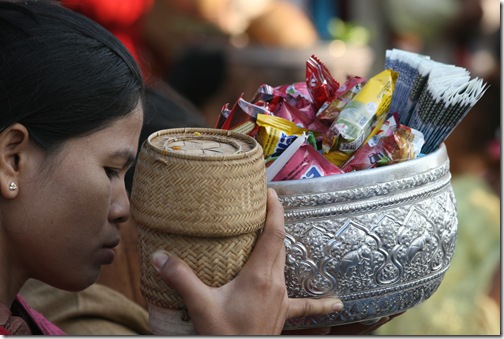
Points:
206	131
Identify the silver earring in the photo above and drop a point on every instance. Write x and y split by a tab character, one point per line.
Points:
12	186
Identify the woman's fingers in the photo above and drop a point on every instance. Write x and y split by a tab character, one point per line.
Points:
256	301
179	276
270	243
302	307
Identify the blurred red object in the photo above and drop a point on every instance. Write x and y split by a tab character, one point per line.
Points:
121	18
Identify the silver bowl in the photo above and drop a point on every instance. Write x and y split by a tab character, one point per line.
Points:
380	239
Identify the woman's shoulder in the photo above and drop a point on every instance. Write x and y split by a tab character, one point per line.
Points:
45	326
12	324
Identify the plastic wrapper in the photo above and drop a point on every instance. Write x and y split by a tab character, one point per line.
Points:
305	163
296	94
242	118
350	123
296	90
330	110
265	98
349	131
288	112
336	157
290	102
394	144
319	81
275	135
224	114
339	158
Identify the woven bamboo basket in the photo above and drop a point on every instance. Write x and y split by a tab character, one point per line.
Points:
198	193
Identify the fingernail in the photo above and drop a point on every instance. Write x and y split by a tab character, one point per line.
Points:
158	259
385	319
275	195
337	306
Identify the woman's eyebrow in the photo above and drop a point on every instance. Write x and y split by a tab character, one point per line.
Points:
126	155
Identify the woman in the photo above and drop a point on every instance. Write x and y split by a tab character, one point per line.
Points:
71	104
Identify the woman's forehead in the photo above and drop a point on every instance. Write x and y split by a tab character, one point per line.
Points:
119	137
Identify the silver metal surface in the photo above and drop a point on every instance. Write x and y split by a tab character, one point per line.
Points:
379	239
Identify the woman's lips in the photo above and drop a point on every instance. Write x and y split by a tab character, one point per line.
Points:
107	255
108	251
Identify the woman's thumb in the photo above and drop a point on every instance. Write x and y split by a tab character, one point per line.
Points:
178	275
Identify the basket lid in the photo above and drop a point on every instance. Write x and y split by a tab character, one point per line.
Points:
220	174
201	143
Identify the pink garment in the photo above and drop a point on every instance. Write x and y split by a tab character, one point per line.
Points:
45	325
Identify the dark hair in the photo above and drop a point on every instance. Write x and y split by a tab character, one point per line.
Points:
61	74
165	108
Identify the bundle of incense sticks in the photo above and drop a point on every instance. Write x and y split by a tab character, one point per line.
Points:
405	93
431	96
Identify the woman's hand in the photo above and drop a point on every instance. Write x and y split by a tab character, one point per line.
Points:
256	301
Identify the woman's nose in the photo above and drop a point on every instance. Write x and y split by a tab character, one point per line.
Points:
120	207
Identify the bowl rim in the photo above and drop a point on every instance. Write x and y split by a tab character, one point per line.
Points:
365	177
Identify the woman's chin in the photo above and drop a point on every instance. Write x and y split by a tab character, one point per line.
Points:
76	285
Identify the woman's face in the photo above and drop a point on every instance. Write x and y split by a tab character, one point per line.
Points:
64	220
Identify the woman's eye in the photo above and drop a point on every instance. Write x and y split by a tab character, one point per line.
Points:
111	172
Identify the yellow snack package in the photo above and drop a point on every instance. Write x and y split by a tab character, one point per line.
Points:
336	157
349	131
339	158
275	135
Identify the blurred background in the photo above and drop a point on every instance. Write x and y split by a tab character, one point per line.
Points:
207	53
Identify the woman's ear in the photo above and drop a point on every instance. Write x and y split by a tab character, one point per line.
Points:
14	142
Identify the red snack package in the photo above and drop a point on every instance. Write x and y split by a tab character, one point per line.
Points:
330	110
264	97
304	105
319	81
396	144
319	128
306	163
287	102
224	114
242	117
287	111
296	90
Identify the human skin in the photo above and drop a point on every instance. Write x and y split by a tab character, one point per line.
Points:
260	285
61	224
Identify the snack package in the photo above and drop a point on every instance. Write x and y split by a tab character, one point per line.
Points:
393	145
279	163
275	135
297	95
305	163
330	110
339	158
224	114
290	102
381	128
264	97
348	132
319	81
288	112
336	157
297	90
242	118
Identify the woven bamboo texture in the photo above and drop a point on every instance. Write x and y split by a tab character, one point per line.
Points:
215	261
201	195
